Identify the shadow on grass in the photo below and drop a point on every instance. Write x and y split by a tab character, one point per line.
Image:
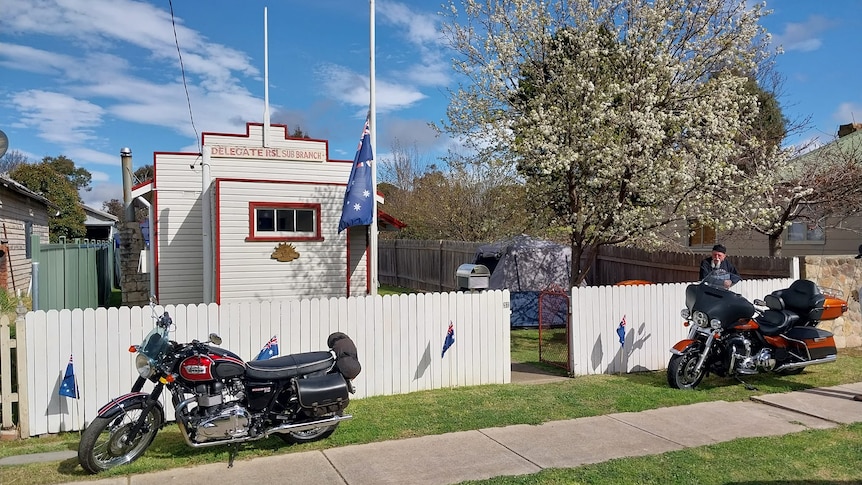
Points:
768	381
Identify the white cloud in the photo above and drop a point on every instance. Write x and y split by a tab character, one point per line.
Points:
420	29
26	58
101	192
803	36
353	88
82	156
57	117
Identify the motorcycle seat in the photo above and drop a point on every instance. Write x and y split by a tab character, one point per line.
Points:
776	322
804	298
288	366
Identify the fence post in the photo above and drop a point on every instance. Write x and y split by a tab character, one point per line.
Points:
8	397
21	359
440	265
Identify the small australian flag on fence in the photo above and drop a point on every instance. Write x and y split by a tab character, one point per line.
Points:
69	387
621	331
449	340
269	350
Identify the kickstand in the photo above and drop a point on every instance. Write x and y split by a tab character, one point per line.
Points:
747	385
232	450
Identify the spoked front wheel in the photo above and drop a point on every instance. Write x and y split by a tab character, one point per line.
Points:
681	372
105	442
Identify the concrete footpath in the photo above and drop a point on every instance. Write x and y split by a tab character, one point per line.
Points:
523	449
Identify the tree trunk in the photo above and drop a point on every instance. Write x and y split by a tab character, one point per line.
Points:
775	245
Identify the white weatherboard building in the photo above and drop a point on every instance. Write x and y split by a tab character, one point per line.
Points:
265	228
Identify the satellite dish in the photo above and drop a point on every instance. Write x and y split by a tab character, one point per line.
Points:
4	143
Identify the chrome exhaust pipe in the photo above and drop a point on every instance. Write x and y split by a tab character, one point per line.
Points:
796	365
287	428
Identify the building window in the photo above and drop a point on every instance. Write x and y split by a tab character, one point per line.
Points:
700	234
284	222
806	232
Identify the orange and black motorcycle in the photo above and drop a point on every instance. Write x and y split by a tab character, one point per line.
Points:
732	337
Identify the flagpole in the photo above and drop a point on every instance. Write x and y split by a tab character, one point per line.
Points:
266	116
372	239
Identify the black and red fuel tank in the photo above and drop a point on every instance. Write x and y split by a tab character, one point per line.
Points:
215	365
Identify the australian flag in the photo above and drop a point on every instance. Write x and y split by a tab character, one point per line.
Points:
69	387
358	200
449	340
621	330
268	350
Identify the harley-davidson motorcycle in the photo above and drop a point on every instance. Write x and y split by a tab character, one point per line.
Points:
732	337
220	400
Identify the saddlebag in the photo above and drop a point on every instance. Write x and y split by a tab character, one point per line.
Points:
811	340
322	394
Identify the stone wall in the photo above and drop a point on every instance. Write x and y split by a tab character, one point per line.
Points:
135	284
842	273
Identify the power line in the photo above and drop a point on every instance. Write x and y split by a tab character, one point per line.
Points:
183	71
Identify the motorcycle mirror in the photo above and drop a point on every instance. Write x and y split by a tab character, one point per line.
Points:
214	338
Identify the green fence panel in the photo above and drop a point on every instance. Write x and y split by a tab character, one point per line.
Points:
73	275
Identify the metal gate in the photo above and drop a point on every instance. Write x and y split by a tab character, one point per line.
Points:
554	322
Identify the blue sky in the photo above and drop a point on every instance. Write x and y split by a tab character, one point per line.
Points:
84	78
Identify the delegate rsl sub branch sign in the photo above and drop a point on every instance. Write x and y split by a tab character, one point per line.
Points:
298	154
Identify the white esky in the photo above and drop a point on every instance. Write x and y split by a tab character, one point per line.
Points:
84	78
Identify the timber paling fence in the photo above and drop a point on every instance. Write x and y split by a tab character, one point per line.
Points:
431	265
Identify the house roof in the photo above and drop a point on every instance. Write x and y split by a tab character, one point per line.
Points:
845	145
386	222
14	186
96	217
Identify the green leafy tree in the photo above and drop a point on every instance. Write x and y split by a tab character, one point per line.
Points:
79	177
621	114
61	189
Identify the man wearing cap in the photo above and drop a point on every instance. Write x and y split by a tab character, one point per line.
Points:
718	261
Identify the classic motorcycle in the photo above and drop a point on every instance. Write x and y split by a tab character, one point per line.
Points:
220	400
732	337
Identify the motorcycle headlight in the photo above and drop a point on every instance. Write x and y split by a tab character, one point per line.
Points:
144	365
700	319
715	324
684	313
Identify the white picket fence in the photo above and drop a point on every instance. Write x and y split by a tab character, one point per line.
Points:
653	324
399	341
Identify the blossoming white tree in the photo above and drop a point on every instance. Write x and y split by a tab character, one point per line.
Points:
623	115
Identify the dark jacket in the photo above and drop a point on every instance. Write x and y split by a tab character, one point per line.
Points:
706	267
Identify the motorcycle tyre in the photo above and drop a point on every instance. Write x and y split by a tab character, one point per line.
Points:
97	429
315	434
678	367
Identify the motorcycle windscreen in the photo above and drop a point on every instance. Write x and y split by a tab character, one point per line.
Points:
727	306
